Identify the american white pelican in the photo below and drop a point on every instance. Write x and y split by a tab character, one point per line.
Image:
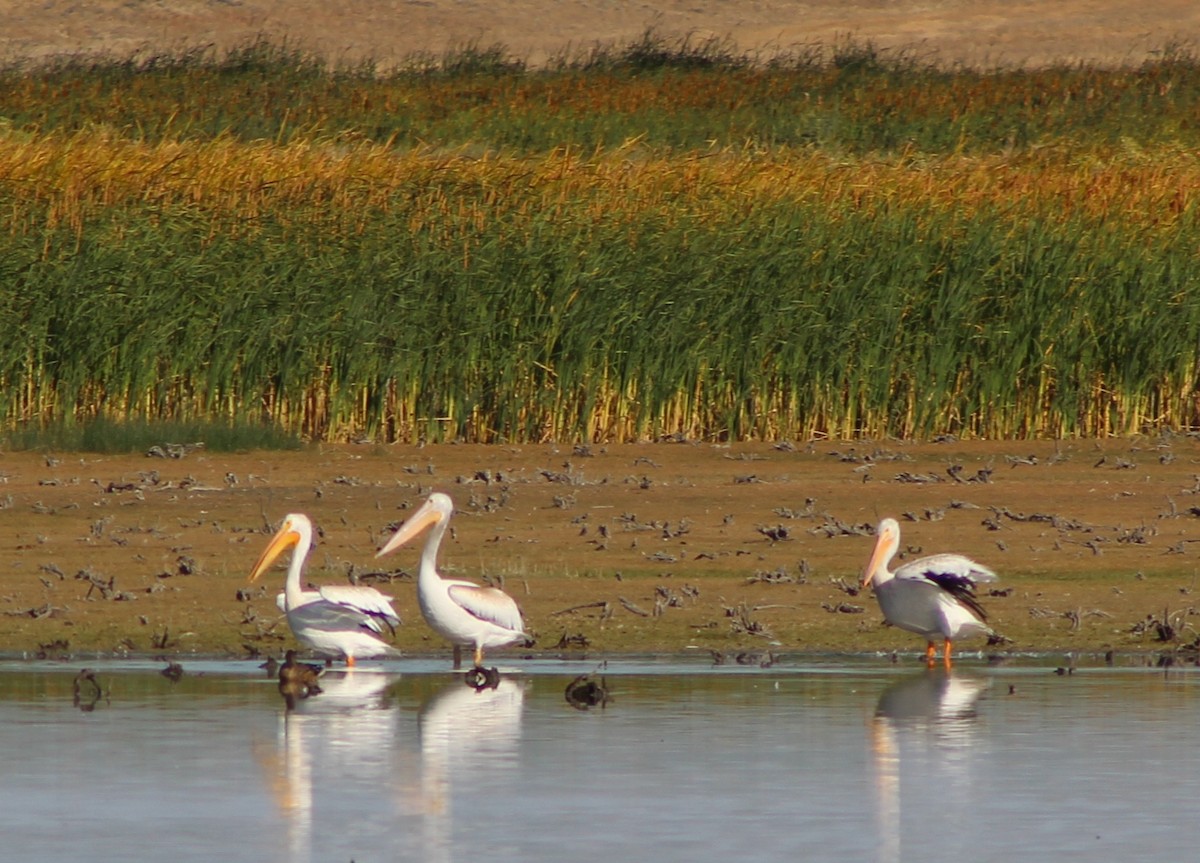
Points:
463	613
933	596
334	621
362	597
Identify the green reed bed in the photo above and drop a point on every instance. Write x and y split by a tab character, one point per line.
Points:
341	292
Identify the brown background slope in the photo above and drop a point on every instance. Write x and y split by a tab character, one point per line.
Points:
976	32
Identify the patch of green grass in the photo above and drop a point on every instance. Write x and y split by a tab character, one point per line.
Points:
171	438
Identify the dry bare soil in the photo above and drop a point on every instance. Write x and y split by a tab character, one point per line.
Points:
664	547
974	32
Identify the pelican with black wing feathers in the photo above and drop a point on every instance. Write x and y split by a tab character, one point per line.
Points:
933	596
463	613
335	620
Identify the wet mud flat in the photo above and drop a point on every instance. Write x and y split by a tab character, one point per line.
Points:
742	551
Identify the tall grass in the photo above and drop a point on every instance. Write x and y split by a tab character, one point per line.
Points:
679	93
858	245
340	292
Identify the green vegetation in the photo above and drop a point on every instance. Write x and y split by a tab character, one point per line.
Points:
667	238
163	438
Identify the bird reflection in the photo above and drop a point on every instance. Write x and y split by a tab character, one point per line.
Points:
349	729
291	782
587	691
464	731
922	730
87	691
934	699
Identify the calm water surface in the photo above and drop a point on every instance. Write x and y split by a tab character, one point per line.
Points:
403	761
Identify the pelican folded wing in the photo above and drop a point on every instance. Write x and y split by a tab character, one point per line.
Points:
489	604
959	586
368	600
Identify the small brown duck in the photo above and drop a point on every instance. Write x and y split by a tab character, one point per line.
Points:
298	679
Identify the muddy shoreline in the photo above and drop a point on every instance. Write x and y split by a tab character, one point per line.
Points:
662	548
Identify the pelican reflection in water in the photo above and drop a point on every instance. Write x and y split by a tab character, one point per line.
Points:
464	733
345	735
921	734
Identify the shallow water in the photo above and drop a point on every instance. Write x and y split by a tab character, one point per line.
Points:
403	761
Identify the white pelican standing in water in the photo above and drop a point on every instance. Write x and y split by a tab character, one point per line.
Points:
933	596
336	620
463	613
